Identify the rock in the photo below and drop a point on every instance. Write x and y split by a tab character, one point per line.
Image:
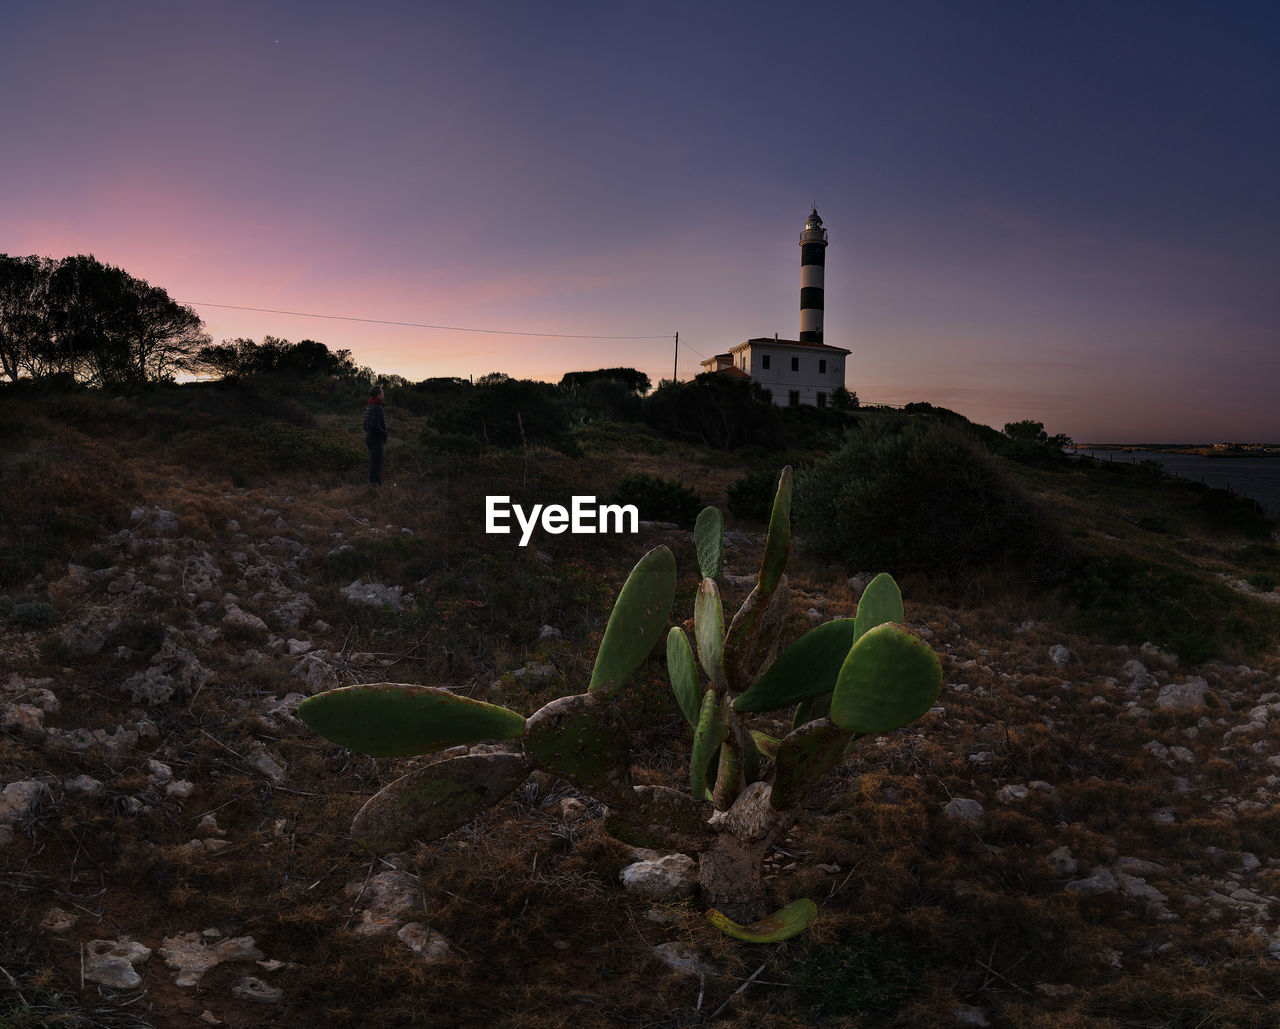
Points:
1101	881
965	810
427	944
572	809
375	594
19	799
160	772
549	633
1154	653
1189	695
260	759
56	920
253	989
674	875
180	789
1136	673
23	716
1062	862
172	669
1059	655
243	622
388	897
970	1017
535	672
316	672
84	640
683	959
85	785
1012	794
110	962
191	957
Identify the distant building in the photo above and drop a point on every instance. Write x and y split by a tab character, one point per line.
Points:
794	371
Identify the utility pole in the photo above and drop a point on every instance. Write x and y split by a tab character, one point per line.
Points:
676	362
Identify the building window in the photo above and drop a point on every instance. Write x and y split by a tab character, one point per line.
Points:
795	364
822	400
793	398
764	362
822	368
743	359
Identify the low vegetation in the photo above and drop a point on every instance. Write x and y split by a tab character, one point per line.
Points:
919	912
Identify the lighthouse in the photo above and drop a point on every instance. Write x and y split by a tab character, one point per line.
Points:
813	259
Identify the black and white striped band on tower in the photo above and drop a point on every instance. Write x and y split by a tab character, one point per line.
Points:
813	259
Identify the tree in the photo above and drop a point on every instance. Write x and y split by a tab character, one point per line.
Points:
636	381
23	313
82	318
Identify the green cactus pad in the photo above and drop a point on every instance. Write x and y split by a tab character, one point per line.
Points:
660	819
766	744
889	679
582	739
778	544
752	639
388	719
728	775
639	616
682	669
808	668
708	537
881	602
708	630
791	921
712	731
433	801
803	758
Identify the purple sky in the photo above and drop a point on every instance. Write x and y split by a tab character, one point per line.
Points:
1066	212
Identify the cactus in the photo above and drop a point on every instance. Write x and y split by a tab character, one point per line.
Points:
843	680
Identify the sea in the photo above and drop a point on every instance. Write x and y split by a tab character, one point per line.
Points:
1256	477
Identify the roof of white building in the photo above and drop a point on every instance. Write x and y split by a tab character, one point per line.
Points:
770	341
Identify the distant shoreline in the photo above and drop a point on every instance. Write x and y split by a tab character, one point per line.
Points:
1234	450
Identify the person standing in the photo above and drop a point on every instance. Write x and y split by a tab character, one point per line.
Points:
375	434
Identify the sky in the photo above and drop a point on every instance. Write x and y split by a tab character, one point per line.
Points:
1067	212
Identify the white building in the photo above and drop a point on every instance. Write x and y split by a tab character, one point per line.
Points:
794	371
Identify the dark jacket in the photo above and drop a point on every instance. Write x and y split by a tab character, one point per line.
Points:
375	423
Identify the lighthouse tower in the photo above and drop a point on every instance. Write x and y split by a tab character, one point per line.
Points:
813	259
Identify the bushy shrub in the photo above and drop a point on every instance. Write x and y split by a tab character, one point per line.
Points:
910	493
507	412
714	410
32	614
658	500
751	497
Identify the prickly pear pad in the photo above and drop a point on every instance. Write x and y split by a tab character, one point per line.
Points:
433	801
881	602
639	616
890	678
389	719
807	668
790	921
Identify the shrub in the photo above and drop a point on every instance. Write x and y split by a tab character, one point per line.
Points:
32	614
910	493
751	497
658	500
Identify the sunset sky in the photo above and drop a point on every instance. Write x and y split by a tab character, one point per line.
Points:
1061	211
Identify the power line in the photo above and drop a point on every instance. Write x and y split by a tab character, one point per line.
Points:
414	325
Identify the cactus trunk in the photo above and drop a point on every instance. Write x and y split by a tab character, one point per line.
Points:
730	874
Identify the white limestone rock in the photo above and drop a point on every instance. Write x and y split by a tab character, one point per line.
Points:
674	875
110	962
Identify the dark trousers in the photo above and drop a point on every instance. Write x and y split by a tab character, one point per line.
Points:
375	462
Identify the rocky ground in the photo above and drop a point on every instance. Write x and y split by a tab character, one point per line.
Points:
1077	834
